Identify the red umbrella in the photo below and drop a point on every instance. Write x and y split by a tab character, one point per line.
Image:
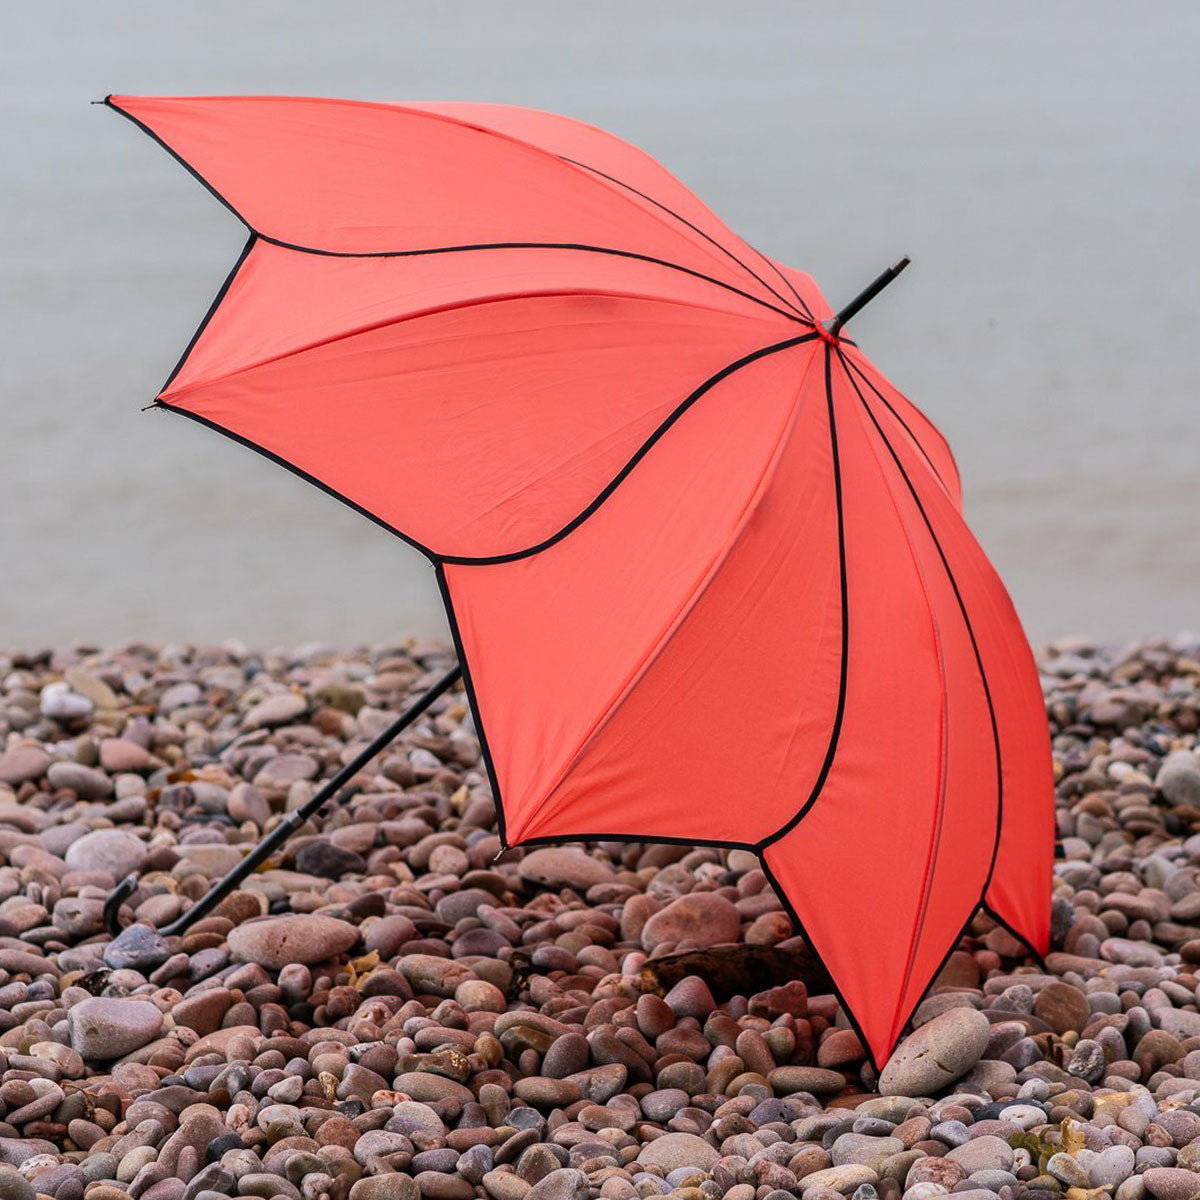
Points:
706	569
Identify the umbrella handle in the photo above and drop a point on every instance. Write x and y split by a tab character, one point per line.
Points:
286	827
834	326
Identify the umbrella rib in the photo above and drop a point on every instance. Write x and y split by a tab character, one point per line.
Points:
696	229
840	712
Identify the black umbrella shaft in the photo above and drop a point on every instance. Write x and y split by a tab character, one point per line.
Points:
865	297
293	820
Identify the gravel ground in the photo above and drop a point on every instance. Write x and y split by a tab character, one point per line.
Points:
391	1012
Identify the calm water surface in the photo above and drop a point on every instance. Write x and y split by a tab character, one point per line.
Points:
1040	163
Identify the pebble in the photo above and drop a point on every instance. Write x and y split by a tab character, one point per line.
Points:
103	1029
696	920
392	1186
114	851
555	866
936	1054
674	1150
275	942
1172	1183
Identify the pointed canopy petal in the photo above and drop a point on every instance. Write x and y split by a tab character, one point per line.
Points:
678	656
355	177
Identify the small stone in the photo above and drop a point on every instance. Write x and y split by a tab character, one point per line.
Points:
204	1011
14	1186
864	1150
22	763
503	1185
698	919
328	861
62	704
1172	1183
1111	1167
137	948
103	1029
546	1093
817	1080
936	1054
1179	779
286	769
674	1150
274	942
1062	1007
563	1184
119	755
985	1153
392	1186
86	782
280	709
690	997
567	1055
115	851
840	1179
564	866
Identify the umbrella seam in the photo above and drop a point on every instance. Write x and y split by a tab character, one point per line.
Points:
707	237
791	287
437	310
934	851
670	420
858	370
541	151
580	247
688	605
970	632
840	712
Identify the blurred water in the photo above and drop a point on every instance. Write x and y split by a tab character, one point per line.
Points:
1039	163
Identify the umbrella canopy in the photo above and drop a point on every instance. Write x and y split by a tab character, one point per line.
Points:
706	569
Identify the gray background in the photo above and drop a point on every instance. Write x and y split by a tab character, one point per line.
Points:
1038	162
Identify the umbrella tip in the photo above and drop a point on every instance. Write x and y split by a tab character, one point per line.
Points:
104	101
834	325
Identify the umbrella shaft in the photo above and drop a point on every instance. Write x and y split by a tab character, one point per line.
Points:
865	297
294	820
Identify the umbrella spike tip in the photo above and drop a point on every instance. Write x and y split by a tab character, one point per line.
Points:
834	325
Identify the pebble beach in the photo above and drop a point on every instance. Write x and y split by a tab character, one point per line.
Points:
393	1010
